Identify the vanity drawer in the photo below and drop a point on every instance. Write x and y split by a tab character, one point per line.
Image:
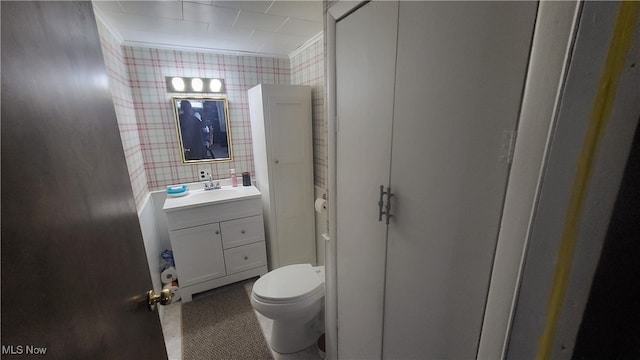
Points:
245	257
242	231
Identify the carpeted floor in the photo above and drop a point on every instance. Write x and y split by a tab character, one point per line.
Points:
222	325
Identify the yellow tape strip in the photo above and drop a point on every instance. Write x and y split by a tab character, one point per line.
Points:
620	43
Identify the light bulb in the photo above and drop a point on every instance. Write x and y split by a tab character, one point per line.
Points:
196	84
215	85
177	83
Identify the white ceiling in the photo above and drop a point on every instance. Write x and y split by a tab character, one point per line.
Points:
271	27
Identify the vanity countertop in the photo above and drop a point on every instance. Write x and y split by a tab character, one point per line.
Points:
201	197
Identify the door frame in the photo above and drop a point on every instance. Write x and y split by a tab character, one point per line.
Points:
553	38
337	11
589	142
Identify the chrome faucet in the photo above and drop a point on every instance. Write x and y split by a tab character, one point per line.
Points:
210	185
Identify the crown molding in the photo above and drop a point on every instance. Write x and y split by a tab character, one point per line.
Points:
200	49
307	43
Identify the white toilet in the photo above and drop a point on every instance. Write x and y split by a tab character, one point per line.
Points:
293	297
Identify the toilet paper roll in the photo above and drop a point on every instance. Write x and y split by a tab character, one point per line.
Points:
321	205
168	275
175	292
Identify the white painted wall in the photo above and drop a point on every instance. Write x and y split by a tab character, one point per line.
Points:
160	218
152	247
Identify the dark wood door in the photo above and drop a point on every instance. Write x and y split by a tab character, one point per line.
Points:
74	270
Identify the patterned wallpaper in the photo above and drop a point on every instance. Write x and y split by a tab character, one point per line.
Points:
307	68
123	102
156	127
145	117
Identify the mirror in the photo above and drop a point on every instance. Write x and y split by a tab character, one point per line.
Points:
202	124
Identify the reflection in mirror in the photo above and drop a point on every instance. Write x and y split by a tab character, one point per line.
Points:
203	129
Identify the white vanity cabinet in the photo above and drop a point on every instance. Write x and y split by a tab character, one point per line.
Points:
216	242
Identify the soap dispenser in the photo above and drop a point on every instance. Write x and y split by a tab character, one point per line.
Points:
234	178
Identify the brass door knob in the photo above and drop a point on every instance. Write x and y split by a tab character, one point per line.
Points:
164	298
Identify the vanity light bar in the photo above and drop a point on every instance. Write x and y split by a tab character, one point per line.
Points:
194	84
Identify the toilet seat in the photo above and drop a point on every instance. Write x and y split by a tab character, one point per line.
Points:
289	284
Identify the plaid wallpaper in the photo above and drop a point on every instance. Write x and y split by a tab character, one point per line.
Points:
307	68
156	127
145	117
125	113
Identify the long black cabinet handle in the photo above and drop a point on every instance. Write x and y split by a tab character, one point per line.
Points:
387	207
381	203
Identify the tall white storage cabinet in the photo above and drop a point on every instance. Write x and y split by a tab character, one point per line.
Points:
427	99
283	156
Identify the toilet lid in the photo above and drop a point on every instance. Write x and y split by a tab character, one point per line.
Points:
290	282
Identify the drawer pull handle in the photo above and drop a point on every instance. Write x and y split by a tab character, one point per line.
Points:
246	257
217	232
242	231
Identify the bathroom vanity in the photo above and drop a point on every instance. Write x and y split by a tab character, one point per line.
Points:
217	237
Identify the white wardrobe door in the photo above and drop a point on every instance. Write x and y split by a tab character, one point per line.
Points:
365	66
292	185
460	75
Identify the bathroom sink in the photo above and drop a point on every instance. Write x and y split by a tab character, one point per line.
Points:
201	197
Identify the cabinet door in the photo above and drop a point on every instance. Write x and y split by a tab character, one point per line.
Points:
292	175
365	65
460	75
198	254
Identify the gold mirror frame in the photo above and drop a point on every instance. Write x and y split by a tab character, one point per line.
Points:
202	135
